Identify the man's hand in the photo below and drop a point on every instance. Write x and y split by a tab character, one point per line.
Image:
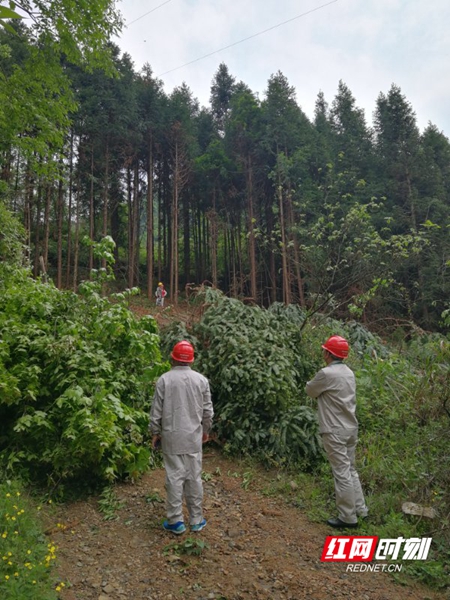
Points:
205	438
156	442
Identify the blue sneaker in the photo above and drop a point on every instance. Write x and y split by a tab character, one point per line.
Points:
199	526
177	528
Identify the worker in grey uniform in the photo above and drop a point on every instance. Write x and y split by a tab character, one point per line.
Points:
335	389
180	421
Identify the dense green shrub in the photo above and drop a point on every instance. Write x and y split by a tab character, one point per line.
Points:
257	370
75	372
12	235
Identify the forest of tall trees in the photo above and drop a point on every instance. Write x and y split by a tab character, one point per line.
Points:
250	195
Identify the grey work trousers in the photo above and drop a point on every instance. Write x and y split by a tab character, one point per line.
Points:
184	477
341	448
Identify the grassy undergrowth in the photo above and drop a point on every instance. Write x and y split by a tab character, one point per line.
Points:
27	555
402	456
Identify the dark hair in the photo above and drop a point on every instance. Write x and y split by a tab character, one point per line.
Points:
178	363
339	358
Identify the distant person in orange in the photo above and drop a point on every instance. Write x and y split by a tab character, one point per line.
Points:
160	294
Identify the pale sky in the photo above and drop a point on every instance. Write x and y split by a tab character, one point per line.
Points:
369	44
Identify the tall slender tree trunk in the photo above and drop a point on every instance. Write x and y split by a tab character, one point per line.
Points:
91	215
240	261
59	218
37	231
47	225
6	166
226	267
186	239
174	252
150	219
195	243
160	224
251	228
69	212
234	277
205	245
77	239
213	238
136	228
16	183
130	230
200	246
296	250
105	197
272	283
27	211
285	271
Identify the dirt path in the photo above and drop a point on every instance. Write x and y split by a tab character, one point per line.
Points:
258	548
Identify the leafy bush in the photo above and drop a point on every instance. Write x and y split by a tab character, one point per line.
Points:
257	371
12	235
75	372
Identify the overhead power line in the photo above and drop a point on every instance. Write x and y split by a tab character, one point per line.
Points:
249	37
147	13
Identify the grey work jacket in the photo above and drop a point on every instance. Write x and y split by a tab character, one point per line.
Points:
181	410
335	389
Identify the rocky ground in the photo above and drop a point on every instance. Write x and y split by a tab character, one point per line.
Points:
255	547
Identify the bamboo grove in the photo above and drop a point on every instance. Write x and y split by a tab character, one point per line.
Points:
248	194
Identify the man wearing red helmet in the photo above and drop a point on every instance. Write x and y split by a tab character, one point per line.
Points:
335	389
180	421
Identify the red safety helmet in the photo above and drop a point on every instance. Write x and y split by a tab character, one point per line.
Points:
337	346
183	352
